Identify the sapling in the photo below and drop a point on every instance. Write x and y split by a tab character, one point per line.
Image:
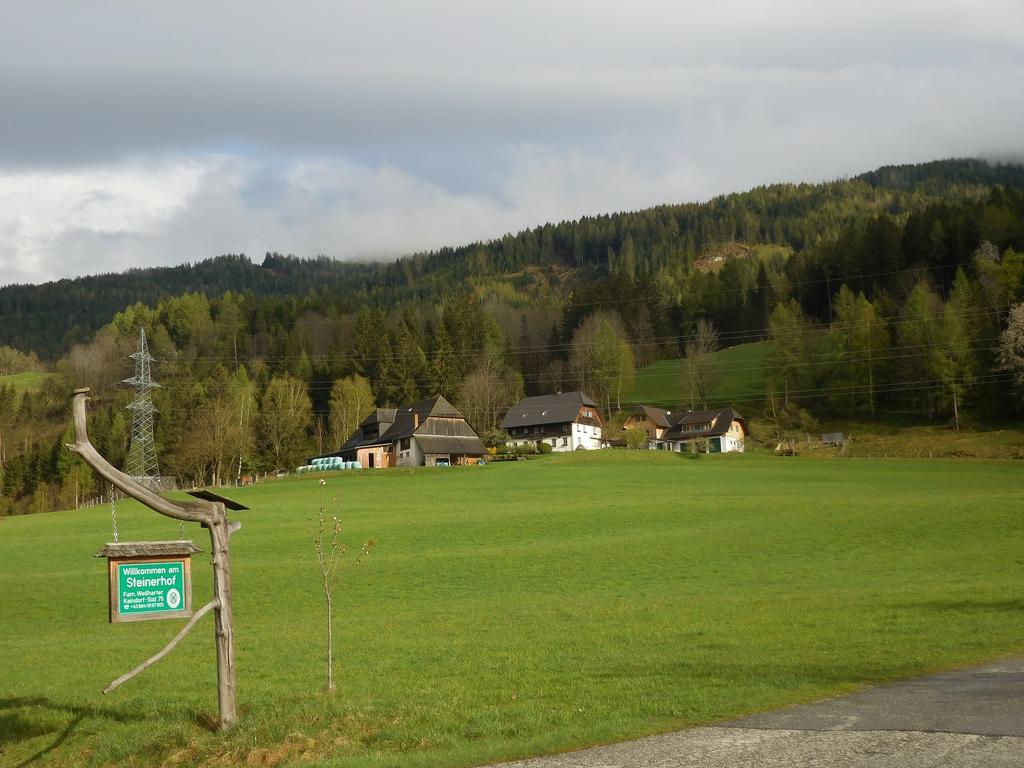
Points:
329	555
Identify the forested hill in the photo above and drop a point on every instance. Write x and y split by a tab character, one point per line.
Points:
664	245
48	319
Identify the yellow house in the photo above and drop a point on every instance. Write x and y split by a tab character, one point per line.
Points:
654	421
724	429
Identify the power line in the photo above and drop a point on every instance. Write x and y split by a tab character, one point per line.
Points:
735	337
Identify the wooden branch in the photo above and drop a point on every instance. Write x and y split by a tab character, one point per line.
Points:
213	516
196	512
167	648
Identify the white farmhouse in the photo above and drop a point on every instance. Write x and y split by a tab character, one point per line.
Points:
566	421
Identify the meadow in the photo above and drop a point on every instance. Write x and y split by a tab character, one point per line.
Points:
739	379
518	608
30	381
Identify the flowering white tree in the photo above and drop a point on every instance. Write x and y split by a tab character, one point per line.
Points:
1011	345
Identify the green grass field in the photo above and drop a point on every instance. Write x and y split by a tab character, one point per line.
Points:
740	378
24	382
519	608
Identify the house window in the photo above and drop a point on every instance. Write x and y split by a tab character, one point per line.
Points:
405	444
565	441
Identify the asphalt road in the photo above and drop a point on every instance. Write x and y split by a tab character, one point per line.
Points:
971	718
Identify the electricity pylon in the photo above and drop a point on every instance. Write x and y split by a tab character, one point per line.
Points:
142	464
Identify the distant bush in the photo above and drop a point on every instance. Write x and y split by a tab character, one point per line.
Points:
793	418
12	361
635	438
543	447
494	438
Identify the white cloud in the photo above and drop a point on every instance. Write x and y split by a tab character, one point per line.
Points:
40	209
180	132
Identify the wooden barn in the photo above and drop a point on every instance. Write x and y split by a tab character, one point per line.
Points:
429	433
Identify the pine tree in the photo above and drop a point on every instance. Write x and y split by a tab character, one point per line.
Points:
444	369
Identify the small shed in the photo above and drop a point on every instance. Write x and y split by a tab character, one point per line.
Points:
834	439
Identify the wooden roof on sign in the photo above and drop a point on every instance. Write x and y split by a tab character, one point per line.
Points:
148	549
211	496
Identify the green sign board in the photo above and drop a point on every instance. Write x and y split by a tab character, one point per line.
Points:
150	589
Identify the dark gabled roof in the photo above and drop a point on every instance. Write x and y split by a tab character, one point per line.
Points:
406	423
356	440
659	416
689	424
472	446
402	423
379	416
546	409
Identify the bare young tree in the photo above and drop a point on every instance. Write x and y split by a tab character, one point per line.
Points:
602	360
98	363
319	431
329	553
699	365
13	361
487	392
555	375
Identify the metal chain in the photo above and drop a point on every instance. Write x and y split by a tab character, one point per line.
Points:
181	530
113	514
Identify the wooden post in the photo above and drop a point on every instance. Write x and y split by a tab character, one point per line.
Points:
213	516
220	532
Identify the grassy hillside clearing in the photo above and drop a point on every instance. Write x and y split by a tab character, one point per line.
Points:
519	608
741	383
740	379
24	382
877	440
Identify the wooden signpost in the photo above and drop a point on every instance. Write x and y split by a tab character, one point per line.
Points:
210	511
149	579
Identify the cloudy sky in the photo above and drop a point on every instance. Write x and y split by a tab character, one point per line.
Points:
136	133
